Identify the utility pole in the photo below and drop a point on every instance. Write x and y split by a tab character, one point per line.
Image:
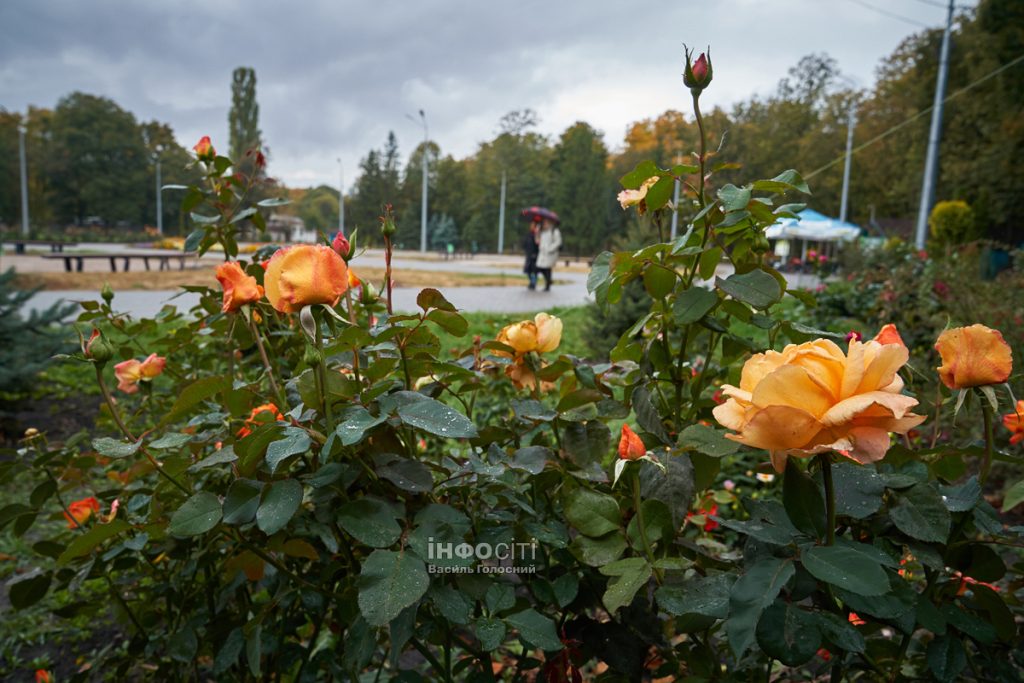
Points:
932	159
423	206
675	205
844	202
159	192
24	179
341	197
501	217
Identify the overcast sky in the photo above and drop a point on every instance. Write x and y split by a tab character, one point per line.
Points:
334	76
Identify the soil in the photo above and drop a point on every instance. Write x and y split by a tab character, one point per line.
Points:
59	418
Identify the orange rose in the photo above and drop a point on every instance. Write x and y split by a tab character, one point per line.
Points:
303	275
81	511
1015	423
889	335
204	149
542	334
812	398
130	372
631	446
257	418
353	279
973	356
43	676
239	289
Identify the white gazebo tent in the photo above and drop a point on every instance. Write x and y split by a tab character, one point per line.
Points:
812	227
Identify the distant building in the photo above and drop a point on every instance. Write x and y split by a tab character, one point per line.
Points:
283	228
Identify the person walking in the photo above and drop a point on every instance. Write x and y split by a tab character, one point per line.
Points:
530	252
548	244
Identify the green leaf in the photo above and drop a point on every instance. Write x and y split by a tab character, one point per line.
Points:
531	459
842	566
593	514
628	576
388	583
115	448
193	239
490	632
597	552
803	501
707	440
1014	496
709	261
370	521
641	172
789	634
858	489
253	650
171	440
449	321
734	198
405	473
946	657
785	181
838	631
242	501
757	288
226	454
194	393
273	201
750	595
799	333
29	591
673	485
922	514
693	304
707	596
963	497
431	298
658	194
355	422
535	629
280	502
197	515
586	443
647	415
293	442
83	544
435	417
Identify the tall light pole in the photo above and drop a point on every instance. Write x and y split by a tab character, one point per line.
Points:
851	122
24	179
159	192
675	206
501	216
423	206
341	197
932	160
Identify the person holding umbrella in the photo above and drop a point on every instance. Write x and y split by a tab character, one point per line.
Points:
549	241
530	252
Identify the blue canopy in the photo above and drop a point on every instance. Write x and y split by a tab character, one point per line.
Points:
814	227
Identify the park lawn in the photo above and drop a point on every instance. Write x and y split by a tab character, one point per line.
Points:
487	325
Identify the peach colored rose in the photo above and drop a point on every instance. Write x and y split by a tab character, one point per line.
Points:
549	332
631	446
130	372
303	275
542	334
1015	423
628	198
239	289
204	149
889	335
973	356
81	511
812	398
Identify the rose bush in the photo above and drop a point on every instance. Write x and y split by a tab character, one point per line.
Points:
307	490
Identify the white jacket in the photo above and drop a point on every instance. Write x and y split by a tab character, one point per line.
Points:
547	250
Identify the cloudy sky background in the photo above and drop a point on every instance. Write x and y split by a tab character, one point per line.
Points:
334	76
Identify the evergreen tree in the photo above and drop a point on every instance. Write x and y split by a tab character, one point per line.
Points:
579	189
244	121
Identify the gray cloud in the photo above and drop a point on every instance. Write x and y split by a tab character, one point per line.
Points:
334	77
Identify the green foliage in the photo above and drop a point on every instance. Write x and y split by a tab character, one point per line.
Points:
952	223
244	136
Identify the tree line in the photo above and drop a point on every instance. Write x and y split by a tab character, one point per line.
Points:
95	159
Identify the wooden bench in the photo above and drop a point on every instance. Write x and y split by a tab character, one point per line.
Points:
56	246
164	259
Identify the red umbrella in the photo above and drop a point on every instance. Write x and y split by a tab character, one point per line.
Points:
539	213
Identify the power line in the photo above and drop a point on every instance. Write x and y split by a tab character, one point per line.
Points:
915	117
891	15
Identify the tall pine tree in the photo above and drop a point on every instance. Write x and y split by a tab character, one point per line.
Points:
244	120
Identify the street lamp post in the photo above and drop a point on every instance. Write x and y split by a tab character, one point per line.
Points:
341	197
423	206
24	179
159	192
850	123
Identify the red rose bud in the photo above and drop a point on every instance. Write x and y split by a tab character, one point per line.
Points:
697	75
261	161
341	245
204	149
853	335
97	348
631	447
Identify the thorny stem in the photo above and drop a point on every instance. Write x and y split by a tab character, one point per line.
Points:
355	349
643	528
124	429
825	459
701	161
986	411
387	271
274	386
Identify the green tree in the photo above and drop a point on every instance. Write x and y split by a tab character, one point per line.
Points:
409	203
318	208
244	121
175	169
378	184
579	188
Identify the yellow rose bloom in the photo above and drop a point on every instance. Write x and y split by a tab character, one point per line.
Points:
811	398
